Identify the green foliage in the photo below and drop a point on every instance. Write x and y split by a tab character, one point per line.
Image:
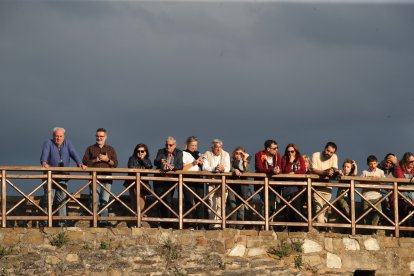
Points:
220	263
104	245
59	240
3	252
298	261
282	251
170	251
297	246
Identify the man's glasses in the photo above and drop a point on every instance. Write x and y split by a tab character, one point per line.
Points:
275	148
169	145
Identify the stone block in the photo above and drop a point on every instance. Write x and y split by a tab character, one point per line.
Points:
389	242
310	246
229	233
253	242
263	263
361	260
253	252
311	260
282	235
249	232
229	243
329	245
187	240
266	239
238	251
333	261
241	239
297	235
10	238
137	232
412	266
266	233
350	244
123	231
371	244
34	237
114	272
71	258
201	242
406	242
75	236
337	244
99	230
213	234
217	246
53	260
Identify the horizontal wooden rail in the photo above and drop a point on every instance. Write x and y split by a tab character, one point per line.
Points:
257	203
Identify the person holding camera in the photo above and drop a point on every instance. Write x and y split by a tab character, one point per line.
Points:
193	161
325	164
101	155
57	152
240	164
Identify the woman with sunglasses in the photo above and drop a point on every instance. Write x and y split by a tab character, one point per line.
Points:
240	163
293	163
405	169
138	160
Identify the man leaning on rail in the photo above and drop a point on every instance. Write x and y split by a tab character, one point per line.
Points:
57	152
325	164
101	155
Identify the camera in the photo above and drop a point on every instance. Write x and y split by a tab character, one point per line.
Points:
60	164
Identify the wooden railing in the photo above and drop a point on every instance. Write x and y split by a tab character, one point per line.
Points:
393	189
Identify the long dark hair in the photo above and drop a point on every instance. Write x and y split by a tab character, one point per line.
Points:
297	152
404	160
141	146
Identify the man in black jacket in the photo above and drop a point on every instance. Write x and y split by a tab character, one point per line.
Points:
168	159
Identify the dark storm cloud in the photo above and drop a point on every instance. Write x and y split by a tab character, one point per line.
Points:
243	72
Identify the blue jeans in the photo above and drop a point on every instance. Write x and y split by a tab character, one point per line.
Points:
58	196
103	197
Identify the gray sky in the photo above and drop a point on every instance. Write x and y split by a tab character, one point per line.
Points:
243	72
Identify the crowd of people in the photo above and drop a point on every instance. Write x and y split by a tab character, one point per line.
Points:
58	151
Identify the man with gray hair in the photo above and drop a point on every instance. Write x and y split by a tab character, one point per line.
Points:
57	152
168	158
217	160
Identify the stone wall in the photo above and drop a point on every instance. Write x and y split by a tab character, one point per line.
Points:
150	251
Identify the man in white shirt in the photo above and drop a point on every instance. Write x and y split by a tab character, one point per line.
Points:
372	195
217	160
325	164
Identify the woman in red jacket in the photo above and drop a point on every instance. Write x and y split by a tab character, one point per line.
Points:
293	163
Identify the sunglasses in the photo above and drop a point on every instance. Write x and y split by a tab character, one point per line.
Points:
169	145
412	161
140	151
291	151
238	153
275	148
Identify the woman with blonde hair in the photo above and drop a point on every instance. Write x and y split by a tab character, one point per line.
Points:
193	161
240	164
